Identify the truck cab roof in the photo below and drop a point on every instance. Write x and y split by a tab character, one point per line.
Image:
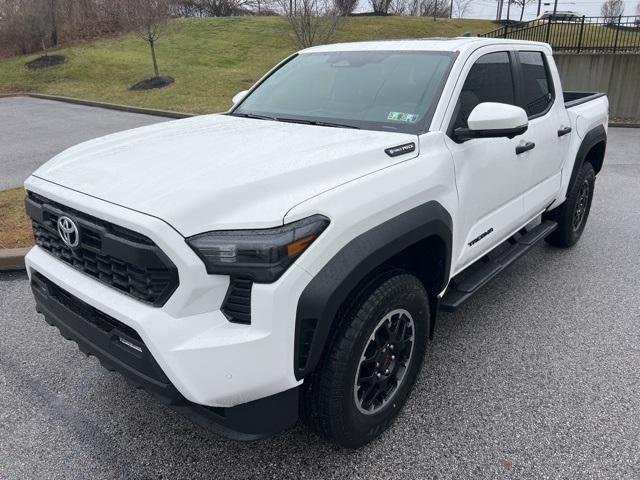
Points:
435	44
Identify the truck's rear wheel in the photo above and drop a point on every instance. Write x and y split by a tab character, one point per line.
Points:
372	363
573	213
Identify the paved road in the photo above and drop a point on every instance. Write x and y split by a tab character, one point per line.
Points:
33	130
537	377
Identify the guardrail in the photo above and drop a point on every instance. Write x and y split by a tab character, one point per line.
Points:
584	34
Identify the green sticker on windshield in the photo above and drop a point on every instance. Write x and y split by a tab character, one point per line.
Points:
402	117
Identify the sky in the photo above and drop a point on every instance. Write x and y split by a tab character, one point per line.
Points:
487	8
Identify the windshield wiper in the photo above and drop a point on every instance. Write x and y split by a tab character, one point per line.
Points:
253	115
315	122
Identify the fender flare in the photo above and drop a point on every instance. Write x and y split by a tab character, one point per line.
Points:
592	138
320	301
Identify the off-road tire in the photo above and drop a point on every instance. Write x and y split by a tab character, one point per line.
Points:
328	405
568	233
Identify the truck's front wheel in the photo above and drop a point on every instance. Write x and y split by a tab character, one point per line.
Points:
372	363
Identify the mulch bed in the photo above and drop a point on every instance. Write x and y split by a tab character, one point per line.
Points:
44	62
153	82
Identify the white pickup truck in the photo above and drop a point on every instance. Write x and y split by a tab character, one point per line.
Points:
288	258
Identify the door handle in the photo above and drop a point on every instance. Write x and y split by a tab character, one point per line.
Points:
525	147
564	131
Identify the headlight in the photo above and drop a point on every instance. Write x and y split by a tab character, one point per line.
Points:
262	255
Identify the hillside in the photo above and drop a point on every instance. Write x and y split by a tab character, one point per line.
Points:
211	59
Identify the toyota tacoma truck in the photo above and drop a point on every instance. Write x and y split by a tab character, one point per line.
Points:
287	259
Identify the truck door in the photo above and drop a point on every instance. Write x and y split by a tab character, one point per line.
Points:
491	179
548	128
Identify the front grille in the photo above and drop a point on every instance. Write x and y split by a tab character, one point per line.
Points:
121	258
237	304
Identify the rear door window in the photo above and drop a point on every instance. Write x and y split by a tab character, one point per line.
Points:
536	86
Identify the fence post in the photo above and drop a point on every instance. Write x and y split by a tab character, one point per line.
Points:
548	30
615	42
580	37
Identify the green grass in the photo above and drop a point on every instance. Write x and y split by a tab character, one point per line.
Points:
211	59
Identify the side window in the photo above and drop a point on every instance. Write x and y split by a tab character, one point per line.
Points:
536	86
489	80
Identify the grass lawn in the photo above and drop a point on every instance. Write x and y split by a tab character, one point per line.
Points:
211	59
15	227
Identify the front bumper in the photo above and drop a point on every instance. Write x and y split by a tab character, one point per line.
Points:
206	359
120	348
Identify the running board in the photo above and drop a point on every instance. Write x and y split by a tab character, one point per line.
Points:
468	282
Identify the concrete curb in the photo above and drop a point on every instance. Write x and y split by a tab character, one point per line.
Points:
110	106
624	125
12	259
114	106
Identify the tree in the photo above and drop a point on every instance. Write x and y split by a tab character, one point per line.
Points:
424	8
522	4
148	18
216	8
313	21
345	7
611	9
380	6
39	23
461	8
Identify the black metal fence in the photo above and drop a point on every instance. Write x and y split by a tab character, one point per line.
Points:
585	34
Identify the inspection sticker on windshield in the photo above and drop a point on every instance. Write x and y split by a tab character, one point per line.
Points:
402	117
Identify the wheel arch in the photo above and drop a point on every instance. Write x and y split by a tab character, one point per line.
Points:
400	242
592	150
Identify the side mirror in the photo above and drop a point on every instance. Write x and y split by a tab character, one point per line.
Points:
237	98
494	120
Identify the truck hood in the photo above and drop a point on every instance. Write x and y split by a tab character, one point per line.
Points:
220	172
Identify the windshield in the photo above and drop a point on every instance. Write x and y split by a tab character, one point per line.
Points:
377	90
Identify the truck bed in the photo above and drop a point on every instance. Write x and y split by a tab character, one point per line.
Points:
571	99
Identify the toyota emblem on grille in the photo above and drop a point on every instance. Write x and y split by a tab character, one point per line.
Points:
68	232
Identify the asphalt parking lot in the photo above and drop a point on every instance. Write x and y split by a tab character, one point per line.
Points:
33	130
538	376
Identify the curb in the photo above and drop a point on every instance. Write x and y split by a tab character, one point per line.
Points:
12	259
624	125
109	106
113	106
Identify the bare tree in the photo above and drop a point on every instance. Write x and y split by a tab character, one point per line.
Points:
380	6
313	21
522	4
345	7
216	8
148	18
424	8
25	24
461	8
38	22
612	9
